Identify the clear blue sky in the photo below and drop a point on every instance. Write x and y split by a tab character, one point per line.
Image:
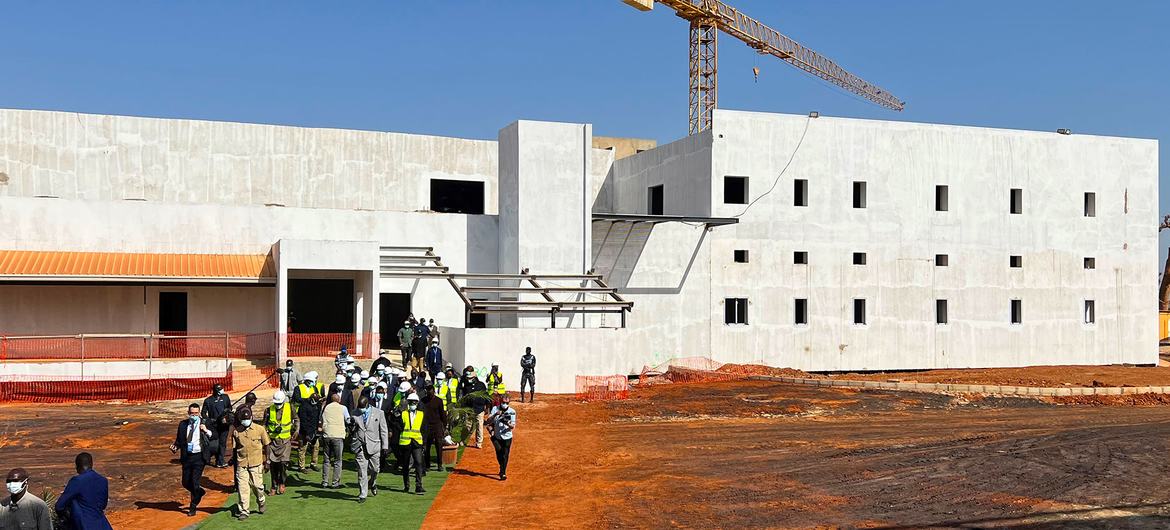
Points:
469	67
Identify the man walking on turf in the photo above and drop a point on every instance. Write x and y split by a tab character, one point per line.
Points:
21	509
193	443
501	422
215	407
410	444
308	400
528	374
279	421
251	445
85	497
435	426
333	421
369	444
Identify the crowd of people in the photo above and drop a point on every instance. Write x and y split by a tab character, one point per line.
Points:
394	417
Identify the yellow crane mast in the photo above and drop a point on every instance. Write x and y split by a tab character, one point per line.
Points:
708	17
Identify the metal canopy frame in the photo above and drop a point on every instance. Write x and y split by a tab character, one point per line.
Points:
641	218
404	264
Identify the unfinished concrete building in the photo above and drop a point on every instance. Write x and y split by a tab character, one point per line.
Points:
820	244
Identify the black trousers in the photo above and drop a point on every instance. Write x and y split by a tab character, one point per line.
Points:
503	450
192	475
412	456
528	378
221	432
433	438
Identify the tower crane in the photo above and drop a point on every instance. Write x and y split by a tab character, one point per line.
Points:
708	17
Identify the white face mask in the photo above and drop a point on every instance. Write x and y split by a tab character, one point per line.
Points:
246	423
16	487
413	406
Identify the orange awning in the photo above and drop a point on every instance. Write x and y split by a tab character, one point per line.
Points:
113	266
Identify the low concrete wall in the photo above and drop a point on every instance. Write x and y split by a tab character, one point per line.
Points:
98	370
561	354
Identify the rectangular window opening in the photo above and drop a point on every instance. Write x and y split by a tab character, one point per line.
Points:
1090	263
941	203
800	257
741	256
457	196
1090	204
940	312
735	311
942	260
800	192
1090	312
859	194
654	204
1017	201
859	258
1015	262
859	311
800	313
735	190
1017	312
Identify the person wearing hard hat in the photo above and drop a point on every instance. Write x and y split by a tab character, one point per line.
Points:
280	427
369	444
396	406
405	338
307	401
353	392
434	358
445	390
338	385
410	444
381	363
495	384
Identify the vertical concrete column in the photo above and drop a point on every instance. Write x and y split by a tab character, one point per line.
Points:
359	317
281	305
545	207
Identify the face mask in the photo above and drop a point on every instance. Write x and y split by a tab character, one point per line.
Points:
246	423
15	487
412	406
379	397
365	410
193	418
220	391
503	406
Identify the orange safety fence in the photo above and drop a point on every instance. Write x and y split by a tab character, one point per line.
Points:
61	389
359	345
191	345
602	387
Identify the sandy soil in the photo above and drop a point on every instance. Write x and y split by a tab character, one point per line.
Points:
753	454
1051	376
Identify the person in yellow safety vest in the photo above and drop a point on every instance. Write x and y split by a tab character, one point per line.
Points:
444	392
400	396
307	403
410	444
495	384
280	431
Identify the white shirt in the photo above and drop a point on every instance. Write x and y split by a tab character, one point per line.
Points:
193	446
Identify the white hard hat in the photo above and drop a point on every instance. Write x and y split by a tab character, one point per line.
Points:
440	375
412	397
404	387
355	377
311	376
435	340
405	321
278	397
365	374
381	385
340	379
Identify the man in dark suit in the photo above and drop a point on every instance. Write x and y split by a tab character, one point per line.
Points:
215	407
193	443
85	496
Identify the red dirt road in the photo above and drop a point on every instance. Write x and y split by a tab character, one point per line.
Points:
757	454
1050	376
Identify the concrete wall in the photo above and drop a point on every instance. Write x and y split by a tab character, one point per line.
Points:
623	147
682	167
73	309
114	158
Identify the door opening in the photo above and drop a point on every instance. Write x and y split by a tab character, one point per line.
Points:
393	309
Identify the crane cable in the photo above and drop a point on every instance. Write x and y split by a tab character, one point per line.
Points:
791	157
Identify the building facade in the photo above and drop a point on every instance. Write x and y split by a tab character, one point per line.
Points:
815	243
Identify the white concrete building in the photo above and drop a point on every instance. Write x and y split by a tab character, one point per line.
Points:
820	244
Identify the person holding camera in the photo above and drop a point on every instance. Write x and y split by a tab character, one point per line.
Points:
289	378
501	423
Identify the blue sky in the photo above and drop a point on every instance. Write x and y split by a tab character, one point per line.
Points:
469	67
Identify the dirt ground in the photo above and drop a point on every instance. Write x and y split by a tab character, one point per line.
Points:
1051	376
752	454
129	445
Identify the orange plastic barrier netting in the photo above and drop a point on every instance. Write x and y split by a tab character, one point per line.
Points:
602	387
62	390
328	344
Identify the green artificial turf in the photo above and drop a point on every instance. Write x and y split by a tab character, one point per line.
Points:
306	505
